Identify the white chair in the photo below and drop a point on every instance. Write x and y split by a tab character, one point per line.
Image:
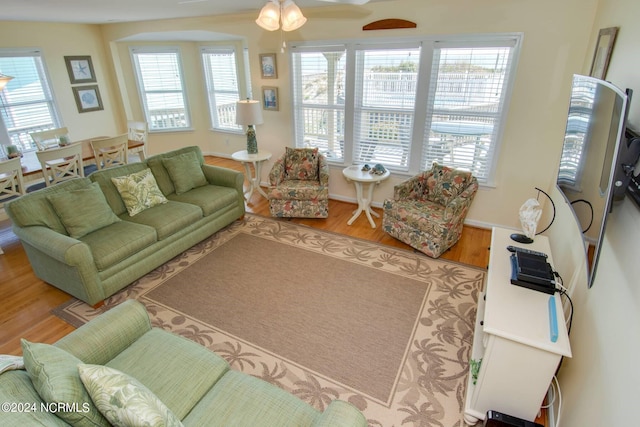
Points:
138	131
61	164
11	181
49	138
110	152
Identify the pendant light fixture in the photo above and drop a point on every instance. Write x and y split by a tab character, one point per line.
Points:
281	14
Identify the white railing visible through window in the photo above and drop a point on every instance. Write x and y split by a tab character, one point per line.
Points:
26	103
223	91
161	87
405	103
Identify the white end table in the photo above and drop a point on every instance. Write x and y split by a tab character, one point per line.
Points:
256	160
360	179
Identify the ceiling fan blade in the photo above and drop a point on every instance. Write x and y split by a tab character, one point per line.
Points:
356	2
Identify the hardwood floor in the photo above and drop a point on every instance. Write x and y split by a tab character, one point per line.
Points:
26	303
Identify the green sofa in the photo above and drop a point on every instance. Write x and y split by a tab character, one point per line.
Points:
93	249
195	384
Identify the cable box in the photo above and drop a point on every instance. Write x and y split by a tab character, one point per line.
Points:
532	271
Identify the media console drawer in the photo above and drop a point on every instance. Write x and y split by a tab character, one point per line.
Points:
512	340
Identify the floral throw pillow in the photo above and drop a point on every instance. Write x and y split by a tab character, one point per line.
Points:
123	400
301	163
139	191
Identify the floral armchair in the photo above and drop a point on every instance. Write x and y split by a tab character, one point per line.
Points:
299	184
428	210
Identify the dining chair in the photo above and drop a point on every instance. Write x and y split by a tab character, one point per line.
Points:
110	152
61	164
11	181
138	131
49	138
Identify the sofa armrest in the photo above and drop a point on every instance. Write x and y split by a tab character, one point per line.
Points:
340	414
106	336
59	246
225	177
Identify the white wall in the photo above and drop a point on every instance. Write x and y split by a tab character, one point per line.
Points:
601	383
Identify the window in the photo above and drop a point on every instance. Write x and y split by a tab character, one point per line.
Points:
26	103
161	87
221	74
405	103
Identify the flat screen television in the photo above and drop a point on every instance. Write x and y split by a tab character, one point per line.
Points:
593	136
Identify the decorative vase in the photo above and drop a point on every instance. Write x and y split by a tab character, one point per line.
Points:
252	143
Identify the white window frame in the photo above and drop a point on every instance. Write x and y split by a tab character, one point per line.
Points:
21	137
134	51
242	83
428	44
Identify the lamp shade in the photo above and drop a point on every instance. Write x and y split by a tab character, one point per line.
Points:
292	17
248	112
4	80
269	17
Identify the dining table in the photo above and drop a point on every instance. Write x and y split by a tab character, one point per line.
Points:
32	170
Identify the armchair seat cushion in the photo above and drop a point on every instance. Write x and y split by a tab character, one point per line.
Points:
298	190
420	214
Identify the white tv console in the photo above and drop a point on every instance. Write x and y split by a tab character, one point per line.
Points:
512	337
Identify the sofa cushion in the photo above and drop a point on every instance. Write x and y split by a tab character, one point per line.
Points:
210	198
242	400
83	210
123	400
139	191
185	172
54	374
177	370
118	241
167	219
34	209
160	172
301	163
103	177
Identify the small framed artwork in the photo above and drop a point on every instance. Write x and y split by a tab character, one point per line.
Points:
270	99
80	69
87	98
268	67
602	54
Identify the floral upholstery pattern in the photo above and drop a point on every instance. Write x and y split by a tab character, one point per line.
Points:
427	211
299	185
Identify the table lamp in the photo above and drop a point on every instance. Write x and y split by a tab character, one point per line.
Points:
248	113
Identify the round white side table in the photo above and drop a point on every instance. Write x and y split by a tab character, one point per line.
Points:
256	160
360	179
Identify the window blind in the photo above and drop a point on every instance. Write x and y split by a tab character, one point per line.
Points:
161	86
318	100
222	86
26	103
386	82
465	106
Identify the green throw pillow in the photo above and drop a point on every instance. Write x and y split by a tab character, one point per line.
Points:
139	191
54	374
123	400
83	211
185	171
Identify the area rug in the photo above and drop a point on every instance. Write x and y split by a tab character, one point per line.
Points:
321	315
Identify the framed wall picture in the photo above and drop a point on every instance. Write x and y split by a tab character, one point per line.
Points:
80	69
602	54
268	66
87	98
270	99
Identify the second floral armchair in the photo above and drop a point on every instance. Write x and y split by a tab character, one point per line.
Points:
299	184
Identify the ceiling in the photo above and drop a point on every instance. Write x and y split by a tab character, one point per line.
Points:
112	11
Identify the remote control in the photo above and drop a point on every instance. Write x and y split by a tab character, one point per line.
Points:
525	251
